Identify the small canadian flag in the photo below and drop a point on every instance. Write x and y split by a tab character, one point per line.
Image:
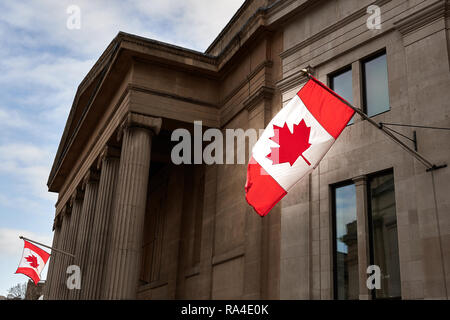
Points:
33	261
293	143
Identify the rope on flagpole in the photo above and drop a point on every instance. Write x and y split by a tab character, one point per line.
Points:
430	166
53	249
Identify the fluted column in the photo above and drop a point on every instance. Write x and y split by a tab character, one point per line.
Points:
128	220
51	267
62	287
56	286
77	203
109	162
90	183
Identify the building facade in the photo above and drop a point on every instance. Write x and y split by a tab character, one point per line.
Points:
142	227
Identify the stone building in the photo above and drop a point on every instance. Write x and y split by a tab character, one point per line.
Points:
34	291
142	227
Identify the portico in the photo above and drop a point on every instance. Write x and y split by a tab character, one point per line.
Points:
143	227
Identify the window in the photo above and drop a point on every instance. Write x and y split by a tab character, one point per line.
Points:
382	236
345	243
375	85
383	230
341	83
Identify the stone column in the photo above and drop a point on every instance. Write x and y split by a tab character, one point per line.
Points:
77	204
363	235
61	284
90	183
58	258
109	162
124	260
51	267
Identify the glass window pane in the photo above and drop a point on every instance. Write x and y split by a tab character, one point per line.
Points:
346	244
376	92
384	235
341	83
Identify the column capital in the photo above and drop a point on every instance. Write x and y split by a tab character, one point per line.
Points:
92	175
67	210
78	194
108	152
359	180
136	120
57	222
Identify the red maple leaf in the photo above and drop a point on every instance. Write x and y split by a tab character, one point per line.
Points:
33	261
291	145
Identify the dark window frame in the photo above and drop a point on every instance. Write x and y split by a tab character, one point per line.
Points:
333	188
332	75
338	72
369	224
362	63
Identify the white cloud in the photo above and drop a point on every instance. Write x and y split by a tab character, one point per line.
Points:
23	153
12	119
27	167
44	62
194	23
41	65
11	246
48	84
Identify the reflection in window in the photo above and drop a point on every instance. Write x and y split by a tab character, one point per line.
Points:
384	234
346	244
341	83
376	92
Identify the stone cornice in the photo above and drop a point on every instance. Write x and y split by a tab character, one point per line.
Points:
227	26
67	210
136	120
262	93
422	17
257	22
258	68
108	152
67	140
160	93
91	176
293	80
329	30
78	195
77	179
167	48
229	255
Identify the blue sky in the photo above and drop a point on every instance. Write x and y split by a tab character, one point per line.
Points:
41	64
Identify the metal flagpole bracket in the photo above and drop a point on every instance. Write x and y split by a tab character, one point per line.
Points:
308	71
413	139
429	166
53	249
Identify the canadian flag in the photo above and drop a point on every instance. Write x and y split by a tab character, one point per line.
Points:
33	261
293	143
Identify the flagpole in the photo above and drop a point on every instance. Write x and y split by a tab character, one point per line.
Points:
430	166
53	249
